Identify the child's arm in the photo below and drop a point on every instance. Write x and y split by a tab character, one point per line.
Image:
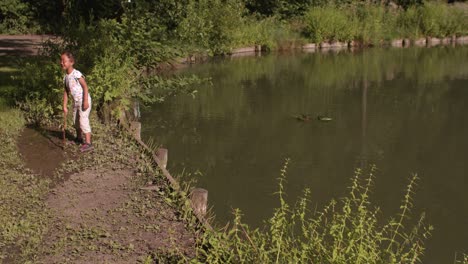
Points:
85	93
65	100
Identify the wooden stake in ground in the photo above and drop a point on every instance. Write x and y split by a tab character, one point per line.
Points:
64	129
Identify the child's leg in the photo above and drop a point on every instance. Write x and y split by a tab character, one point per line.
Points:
84	122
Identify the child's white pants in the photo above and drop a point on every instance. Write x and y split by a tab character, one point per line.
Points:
80	117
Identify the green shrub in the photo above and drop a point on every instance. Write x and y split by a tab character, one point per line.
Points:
441	20
329	23
113	82
372	22
408	23
210	25
345	231
16	17
271	33
37	111
39	89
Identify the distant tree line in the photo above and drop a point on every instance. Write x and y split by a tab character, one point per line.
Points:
53	16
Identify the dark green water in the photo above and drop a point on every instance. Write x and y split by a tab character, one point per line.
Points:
404	110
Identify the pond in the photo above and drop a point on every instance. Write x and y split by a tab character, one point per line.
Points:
404	110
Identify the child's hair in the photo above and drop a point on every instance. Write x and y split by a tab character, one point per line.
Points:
69	55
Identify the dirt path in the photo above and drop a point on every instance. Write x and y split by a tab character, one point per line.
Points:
99	214
22	45
107	222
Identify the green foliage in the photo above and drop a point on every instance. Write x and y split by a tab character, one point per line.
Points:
371	24
143	38
39	89
440	20
345	231
288	9
282	8
16	17
329	23
408	24
113	55
37	111
78	11
271	33
210	25
113	80
168	12
408	3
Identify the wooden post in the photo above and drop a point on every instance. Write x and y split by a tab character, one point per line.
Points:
135	128
136	109
161	153
199	201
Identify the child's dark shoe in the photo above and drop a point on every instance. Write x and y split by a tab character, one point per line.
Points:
78	141
86	147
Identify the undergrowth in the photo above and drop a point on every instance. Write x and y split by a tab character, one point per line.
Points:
348	230
371	24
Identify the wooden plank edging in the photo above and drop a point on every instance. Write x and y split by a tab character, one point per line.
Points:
162	166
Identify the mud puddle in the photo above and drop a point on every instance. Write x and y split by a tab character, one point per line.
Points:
43	150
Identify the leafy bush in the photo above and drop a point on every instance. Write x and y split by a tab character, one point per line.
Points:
37	111
16	17
372	23
39	89
345	231
113	79
271	33
210	25
329	23
441	20
408	24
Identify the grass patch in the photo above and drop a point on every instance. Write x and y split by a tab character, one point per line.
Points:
23	214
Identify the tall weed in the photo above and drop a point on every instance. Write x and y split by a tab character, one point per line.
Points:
348	230
210	25
440	20
371	24
329	23
271	33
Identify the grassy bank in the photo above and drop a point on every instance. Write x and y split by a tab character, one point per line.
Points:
373	24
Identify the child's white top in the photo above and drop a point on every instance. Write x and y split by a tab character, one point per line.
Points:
73	85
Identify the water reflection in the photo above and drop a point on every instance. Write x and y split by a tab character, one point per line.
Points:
401	109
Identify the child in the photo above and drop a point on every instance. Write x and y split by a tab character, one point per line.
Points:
75	85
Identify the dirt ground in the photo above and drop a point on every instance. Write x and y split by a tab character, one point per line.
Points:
99	214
